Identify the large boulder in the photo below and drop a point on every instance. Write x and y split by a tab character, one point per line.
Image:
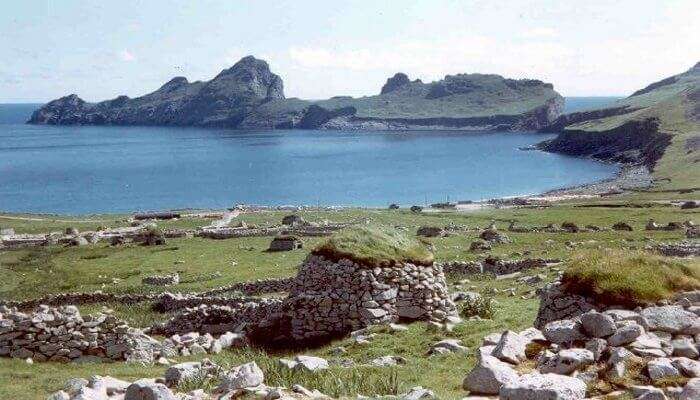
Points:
597	325
563	331
147	389
672	319
557	304
510	348
568	361
243	376
488	375
536	386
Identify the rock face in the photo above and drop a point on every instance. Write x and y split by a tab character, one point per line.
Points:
637	133
248	95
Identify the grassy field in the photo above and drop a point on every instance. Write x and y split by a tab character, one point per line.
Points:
206	263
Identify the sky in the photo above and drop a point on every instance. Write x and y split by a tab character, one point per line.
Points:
102	49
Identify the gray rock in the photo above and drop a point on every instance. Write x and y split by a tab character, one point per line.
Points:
146	389
563	331
488	375
672	319
626	334
418	393
451	345
597	325
597	346
691	390
510	348
567	361
310	363
687	367
535	386
685	347
661	368
182	372
627	315
647	345
648	393
243	376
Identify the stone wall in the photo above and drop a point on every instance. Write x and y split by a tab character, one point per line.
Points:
494	266
62	334
247	288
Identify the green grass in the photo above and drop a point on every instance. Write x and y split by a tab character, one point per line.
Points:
375	246
629	278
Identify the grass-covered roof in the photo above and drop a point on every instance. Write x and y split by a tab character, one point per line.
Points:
375	246
629	277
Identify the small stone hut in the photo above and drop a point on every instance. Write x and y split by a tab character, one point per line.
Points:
364	276
285	243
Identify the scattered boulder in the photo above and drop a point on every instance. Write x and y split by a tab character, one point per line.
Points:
622	226
431	231
598	325
146	389
243	376
478	246
510	348
535	386
567	361
488	376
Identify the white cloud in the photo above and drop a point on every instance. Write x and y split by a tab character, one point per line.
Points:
126	55
540	32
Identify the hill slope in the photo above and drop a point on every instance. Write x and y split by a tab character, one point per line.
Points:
249	95
658	126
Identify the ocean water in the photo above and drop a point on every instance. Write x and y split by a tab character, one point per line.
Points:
86	169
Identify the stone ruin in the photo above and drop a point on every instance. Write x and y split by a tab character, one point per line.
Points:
335	297
162	280
327	299
578	349
495	266
63	335
686	248
285	243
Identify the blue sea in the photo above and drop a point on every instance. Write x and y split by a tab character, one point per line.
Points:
97	169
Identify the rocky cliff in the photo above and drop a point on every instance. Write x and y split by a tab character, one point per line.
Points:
657	126
248	95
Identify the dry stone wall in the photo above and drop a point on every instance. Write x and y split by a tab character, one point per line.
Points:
62	334
494	266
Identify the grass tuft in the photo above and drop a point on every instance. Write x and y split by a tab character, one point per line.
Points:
629	278
375	246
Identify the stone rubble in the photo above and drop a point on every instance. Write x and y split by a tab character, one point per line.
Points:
654	344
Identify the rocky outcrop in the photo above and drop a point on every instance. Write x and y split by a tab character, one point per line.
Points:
638	142
395	82
248	95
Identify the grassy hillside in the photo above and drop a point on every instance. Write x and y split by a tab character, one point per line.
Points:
675	102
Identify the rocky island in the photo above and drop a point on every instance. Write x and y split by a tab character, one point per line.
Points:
249	96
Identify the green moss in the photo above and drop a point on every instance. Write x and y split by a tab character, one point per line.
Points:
629	277
375	246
